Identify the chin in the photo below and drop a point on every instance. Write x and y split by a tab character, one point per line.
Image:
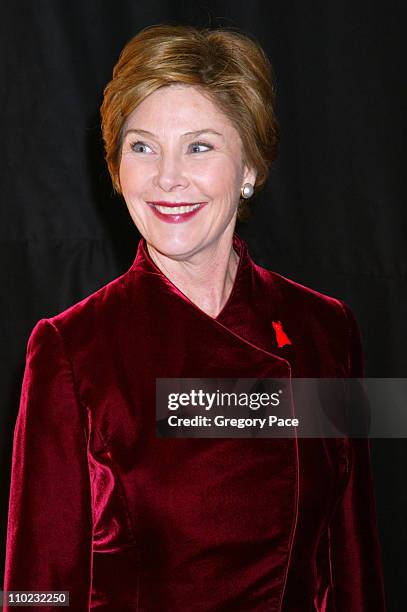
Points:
163	237
175	243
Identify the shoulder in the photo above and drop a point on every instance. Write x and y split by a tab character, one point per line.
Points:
302	300
85	319
323	325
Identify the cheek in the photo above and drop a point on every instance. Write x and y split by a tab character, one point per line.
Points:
124	176
131	177
222	178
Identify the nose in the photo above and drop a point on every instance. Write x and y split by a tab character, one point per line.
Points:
170	172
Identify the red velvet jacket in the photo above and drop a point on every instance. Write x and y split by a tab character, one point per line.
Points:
126	521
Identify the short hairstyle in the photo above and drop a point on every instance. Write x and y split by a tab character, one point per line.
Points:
228	66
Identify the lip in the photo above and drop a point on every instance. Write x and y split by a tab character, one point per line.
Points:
173	204
176	217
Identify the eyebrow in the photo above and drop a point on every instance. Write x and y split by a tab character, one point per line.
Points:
197	133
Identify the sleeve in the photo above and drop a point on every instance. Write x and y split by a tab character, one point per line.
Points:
49	535
354	547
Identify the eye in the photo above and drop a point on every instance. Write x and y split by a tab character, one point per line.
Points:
197	147
139	147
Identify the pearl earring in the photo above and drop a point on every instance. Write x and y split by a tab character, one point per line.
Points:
247	191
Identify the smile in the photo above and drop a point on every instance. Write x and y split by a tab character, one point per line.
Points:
172	210
177	212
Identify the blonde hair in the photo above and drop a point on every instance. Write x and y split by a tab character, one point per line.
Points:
224	64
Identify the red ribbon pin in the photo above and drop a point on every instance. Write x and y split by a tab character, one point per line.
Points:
281	336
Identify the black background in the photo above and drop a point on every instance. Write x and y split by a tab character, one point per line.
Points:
331	217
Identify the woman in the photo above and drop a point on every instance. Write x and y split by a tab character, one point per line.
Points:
102	507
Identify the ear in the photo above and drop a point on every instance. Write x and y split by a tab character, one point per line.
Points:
249	175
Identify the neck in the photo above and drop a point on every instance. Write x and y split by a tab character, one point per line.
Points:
207	277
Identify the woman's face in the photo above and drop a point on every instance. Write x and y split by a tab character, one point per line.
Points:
180	149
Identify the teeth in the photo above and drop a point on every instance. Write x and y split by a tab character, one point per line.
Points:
175	210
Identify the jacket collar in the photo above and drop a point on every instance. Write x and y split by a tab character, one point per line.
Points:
241	286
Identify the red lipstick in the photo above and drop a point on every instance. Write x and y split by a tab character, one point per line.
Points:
179	216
